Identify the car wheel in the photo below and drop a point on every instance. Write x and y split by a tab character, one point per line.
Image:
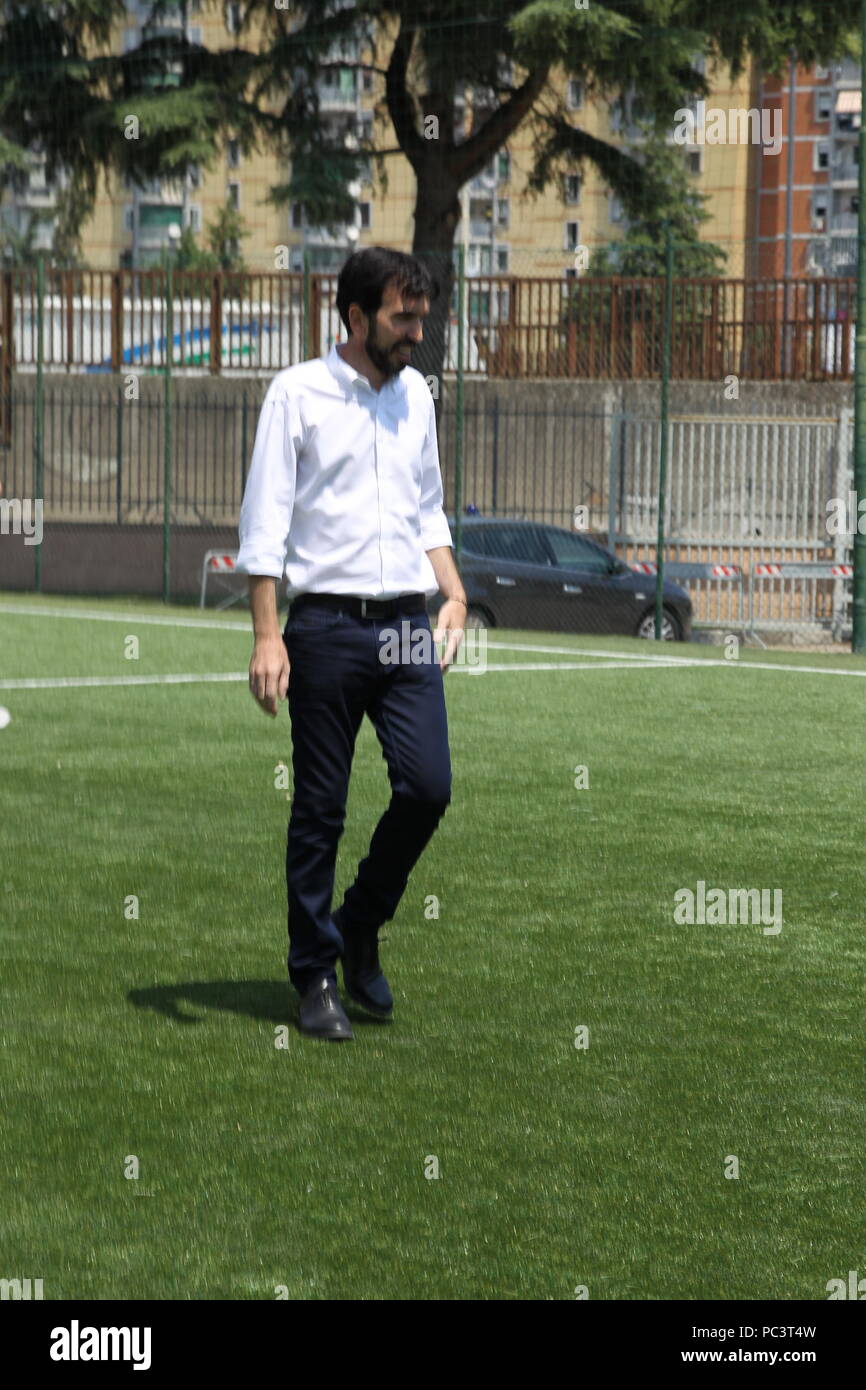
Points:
477	618
671	631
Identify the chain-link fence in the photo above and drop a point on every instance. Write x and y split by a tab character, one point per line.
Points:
574	409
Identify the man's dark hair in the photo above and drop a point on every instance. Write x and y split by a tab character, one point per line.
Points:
366	273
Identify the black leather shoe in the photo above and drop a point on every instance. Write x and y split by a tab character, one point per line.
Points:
321	1013
362	974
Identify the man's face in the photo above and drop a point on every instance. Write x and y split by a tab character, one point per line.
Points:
395	330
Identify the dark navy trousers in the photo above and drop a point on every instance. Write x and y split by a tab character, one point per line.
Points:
335	678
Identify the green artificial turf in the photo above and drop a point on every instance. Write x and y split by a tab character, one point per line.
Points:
303	1167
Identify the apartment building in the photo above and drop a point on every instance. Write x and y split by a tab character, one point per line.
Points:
811	229
503	230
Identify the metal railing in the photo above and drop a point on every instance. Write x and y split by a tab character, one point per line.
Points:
585	327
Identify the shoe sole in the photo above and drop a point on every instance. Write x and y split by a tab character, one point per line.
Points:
326	1037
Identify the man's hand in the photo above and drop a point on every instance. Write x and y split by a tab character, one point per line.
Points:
269	672
450	623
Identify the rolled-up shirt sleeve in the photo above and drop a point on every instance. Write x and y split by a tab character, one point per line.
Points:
269	495
435	530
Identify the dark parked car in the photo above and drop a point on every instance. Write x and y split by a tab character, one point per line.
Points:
526	574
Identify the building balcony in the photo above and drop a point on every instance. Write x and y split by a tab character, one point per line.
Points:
321	237
334	100
840	257
845	173
844	223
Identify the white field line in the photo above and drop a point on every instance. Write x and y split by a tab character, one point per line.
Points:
636	659
64	682
571	666
213	625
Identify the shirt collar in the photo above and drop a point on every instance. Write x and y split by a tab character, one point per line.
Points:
345	372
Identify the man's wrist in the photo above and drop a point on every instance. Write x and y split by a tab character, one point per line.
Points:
456	598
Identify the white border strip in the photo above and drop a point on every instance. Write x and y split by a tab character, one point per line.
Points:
213	625
67	682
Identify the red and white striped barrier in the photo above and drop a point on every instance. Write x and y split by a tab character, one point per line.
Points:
219	562
685	569
803	569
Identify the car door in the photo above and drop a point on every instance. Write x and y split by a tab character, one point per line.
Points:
510	569
586	593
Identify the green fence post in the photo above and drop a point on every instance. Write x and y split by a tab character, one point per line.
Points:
458	423
663	442
244	441
166	482
858	588
40	408
306	304
119	448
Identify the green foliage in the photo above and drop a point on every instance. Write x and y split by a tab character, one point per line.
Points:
662	193
63	91
223	235
19	249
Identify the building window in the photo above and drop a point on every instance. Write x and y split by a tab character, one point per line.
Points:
575	94
193	176
695	161
478	258
233	154
614	208
821	155
193	34
821	74
503	212
234	195
193	217
365	126
572	236
572	188
297	217
234	17
502	260
366	80
823	104
364	210
129	218
503	166
819	213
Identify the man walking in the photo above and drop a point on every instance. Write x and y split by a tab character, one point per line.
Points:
344	497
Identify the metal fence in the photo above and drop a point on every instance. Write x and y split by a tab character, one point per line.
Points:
747	497
747	493
564	327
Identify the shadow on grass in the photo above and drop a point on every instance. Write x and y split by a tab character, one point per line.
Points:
269	1001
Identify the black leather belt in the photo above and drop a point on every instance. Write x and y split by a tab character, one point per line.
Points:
364	607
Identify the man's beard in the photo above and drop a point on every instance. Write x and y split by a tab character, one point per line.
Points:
383	361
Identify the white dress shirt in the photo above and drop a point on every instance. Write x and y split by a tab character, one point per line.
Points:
344	492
